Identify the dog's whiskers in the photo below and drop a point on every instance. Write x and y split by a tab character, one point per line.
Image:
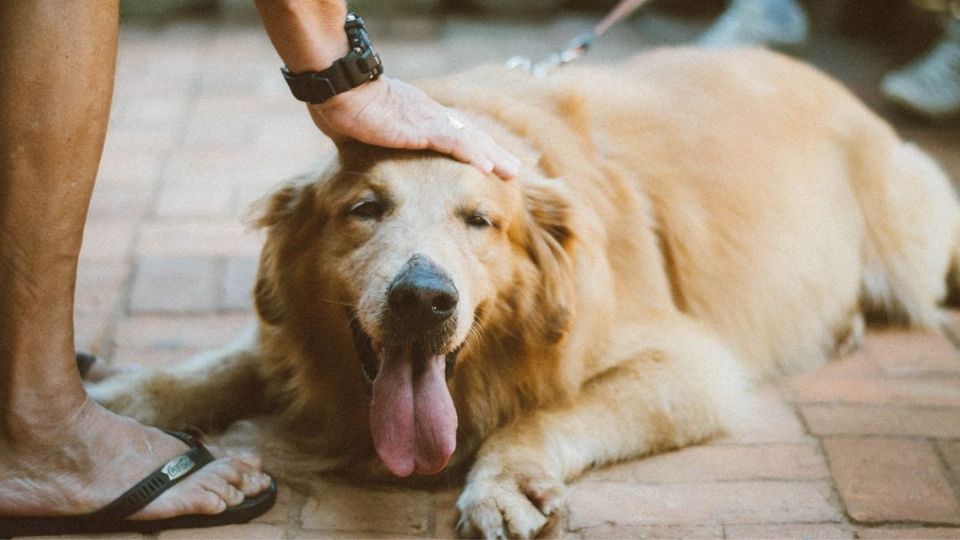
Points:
339	303
477	331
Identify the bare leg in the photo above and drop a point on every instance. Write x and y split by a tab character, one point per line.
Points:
61	454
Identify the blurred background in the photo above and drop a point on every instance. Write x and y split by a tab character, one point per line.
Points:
885	33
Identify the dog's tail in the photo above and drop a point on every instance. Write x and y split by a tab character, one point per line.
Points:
912	217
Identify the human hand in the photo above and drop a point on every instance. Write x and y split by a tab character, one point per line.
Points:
390	113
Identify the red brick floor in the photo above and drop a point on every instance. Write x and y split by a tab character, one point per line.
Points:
202	125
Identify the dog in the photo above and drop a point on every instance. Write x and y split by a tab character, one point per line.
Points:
683	224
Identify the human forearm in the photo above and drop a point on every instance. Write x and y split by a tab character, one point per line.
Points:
307	34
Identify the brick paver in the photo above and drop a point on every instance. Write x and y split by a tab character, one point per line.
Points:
789	530
611	532
884	480
174	284
716	463
338	507
915	533
865	420
202	126
902	352
598	503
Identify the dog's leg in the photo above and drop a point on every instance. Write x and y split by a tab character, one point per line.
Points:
681	390
207	391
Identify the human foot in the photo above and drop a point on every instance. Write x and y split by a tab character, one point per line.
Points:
92	458
930	86
774	23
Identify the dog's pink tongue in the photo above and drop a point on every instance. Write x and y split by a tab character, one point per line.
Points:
412	418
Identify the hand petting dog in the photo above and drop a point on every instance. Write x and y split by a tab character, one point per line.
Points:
393	114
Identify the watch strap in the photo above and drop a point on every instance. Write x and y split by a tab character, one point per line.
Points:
360	65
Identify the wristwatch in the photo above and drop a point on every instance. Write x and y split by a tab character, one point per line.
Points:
360	65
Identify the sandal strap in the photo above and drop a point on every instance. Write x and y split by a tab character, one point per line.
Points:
162	479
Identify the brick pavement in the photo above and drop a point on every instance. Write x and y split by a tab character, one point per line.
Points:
868	446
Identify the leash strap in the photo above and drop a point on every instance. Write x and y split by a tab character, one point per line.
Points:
579	45
621	10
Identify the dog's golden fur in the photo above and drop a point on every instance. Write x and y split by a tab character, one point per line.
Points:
683	223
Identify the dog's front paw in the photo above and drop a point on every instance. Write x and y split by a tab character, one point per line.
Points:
514	502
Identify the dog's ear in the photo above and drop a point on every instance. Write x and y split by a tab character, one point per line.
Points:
278	207
551	211
266	297
286	217
550	241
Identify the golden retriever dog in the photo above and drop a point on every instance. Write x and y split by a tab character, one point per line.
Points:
684	223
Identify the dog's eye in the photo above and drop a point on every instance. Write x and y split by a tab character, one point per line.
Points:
367	209
477	220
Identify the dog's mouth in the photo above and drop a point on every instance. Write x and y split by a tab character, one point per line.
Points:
412	417
363	344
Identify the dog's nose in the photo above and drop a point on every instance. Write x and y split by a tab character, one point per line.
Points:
422	294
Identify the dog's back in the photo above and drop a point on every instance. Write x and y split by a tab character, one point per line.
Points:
779	200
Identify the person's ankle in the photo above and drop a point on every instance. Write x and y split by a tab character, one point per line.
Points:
37	425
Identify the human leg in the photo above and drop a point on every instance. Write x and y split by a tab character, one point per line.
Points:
775	23
930	85
61	454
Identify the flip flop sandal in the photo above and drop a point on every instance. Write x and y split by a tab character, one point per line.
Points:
112	518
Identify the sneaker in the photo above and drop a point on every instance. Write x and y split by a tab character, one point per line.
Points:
931	85
774	23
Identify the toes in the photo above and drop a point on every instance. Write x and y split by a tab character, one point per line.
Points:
545	494
234	496
221	484
207	502
252	480
240	475
222	470
254	483
186	498
251	462
500	512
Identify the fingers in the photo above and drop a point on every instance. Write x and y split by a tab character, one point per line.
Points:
390	113
465	142
505	164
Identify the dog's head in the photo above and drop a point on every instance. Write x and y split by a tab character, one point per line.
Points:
415	251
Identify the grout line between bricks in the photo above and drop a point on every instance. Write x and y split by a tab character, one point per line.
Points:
946	470
951	335
886	406
835	499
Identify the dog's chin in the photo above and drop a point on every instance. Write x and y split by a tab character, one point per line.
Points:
370	352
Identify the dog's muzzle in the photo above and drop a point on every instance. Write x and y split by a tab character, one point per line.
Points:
420	312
